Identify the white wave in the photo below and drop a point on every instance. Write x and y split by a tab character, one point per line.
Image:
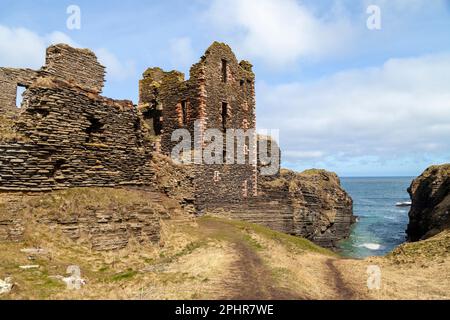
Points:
371	246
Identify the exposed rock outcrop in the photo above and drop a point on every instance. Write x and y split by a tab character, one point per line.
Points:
311	204
430	194
103	218
322	210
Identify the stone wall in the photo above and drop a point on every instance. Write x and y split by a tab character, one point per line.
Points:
75	139
10	79
76	66
79	67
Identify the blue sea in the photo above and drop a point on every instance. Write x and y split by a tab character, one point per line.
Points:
381	225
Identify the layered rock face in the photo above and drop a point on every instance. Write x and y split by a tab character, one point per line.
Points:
430	194
323	211
103	218
311	204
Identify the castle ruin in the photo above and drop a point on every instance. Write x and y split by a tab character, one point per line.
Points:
65	135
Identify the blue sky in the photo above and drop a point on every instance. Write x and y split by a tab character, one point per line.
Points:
356	101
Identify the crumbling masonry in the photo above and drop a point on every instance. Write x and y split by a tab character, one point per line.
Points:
65	134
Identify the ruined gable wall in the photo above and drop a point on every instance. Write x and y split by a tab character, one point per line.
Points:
76	66
75	139
10	78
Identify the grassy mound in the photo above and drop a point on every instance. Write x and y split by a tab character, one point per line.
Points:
437	247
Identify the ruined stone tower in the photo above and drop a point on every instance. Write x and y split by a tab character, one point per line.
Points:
219	94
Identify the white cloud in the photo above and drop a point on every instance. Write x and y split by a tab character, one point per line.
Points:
301	155
182	53
407	6
280	31
23	48
20	47
115	69
399	109
60	37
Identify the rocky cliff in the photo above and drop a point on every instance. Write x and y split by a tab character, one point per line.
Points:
321	209
103	219
311	204
430	194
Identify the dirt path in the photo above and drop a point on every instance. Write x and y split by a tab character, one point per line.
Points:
249	278
343	291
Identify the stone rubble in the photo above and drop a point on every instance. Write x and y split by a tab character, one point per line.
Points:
6	286
74	282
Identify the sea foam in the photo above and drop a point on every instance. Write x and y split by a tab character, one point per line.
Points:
371	246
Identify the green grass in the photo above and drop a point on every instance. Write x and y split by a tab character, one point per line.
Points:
165	258
126	275
189	249
436	247
313	171
293	242
103	269
253	243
